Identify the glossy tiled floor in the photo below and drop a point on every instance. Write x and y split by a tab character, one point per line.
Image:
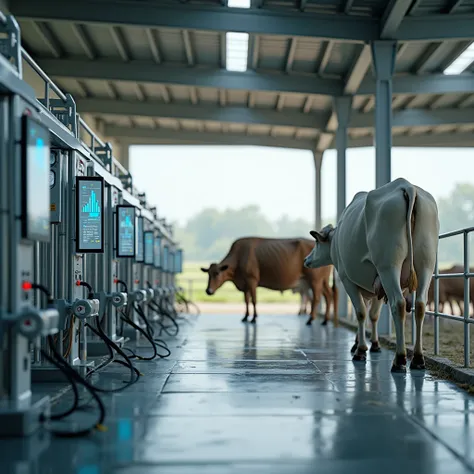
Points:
274	398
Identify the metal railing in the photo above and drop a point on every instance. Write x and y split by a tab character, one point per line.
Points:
465	319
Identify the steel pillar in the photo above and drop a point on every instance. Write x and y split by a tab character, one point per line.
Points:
383	59
342	107
318	162
124	155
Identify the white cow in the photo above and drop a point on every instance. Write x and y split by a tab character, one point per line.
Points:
385	242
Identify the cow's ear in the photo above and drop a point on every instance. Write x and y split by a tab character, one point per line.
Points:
316	235
223	268
205	270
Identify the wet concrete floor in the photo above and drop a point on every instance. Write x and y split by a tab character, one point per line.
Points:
276	397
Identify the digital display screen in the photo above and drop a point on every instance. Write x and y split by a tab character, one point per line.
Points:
139	257
166	258
171	262
178	268
89	215
148	247
36	200
126	230
157	252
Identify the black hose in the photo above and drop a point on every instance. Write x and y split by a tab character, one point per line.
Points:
62	365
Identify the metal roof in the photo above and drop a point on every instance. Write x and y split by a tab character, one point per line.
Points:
154	71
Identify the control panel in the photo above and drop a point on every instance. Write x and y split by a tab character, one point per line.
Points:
148	240
125	231
139	257
157	252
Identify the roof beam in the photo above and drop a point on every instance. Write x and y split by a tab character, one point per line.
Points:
143	135
392	17
290	56
153	43
416	118
193	17
429	84
436	28
149	72
120	43
435	140
358	71
251	116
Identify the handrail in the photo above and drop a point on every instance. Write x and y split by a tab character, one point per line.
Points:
3	18
43	75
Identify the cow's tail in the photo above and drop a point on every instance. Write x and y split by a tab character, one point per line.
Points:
335	298
410	194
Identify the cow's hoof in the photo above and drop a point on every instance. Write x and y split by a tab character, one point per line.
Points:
375	347
418	362
253	321
309	322
399	364
245	319
360	356
398	369
354	348
324	323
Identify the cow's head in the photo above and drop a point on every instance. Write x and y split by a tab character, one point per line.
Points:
218	275
320	256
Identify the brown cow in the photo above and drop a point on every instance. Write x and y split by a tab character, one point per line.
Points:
276	264
452	289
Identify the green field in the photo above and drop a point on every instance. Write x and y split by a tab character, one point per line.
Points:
193	277
227	293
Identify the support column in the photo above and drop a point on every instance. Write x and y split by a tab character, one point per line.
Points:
383	59
318	162
124	155
342	107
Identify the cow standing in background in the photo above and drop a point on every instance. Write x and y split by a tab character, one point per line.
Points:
276	264
385	241
303	289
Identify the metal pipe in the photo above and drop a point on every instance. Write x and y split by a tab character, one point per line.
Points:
467	306
436	308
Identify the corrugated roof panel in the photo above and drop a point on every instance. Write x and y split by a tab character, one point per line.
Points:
127	90
273	52
427	7
286	132
328	6
359	132
206	45
235	97
211	126
307	54
466	128
265	99
449	100
307	133
171	45
369	7
210	94
445	128
146	122
179	93
168	123
137	42
64	34
153	91
419	130
98	88
118	120
33	41
411	55
294	101
191	125
320	102
103	42
237	127
69	86
358	101
420	101
259	130
342	57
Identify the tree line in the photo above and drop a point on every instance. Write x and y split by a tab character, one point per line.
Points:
207	235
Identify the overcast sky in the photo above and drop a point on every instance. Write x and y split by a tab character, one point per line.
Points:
182	180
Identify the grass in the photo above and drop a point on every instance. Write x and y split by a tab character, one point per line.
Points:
193	277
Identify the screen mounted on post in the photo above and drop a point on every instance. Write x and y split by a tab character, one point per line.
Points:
165	264
139	257
89	214
148	239
178	268
125	231
157	252
35	195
